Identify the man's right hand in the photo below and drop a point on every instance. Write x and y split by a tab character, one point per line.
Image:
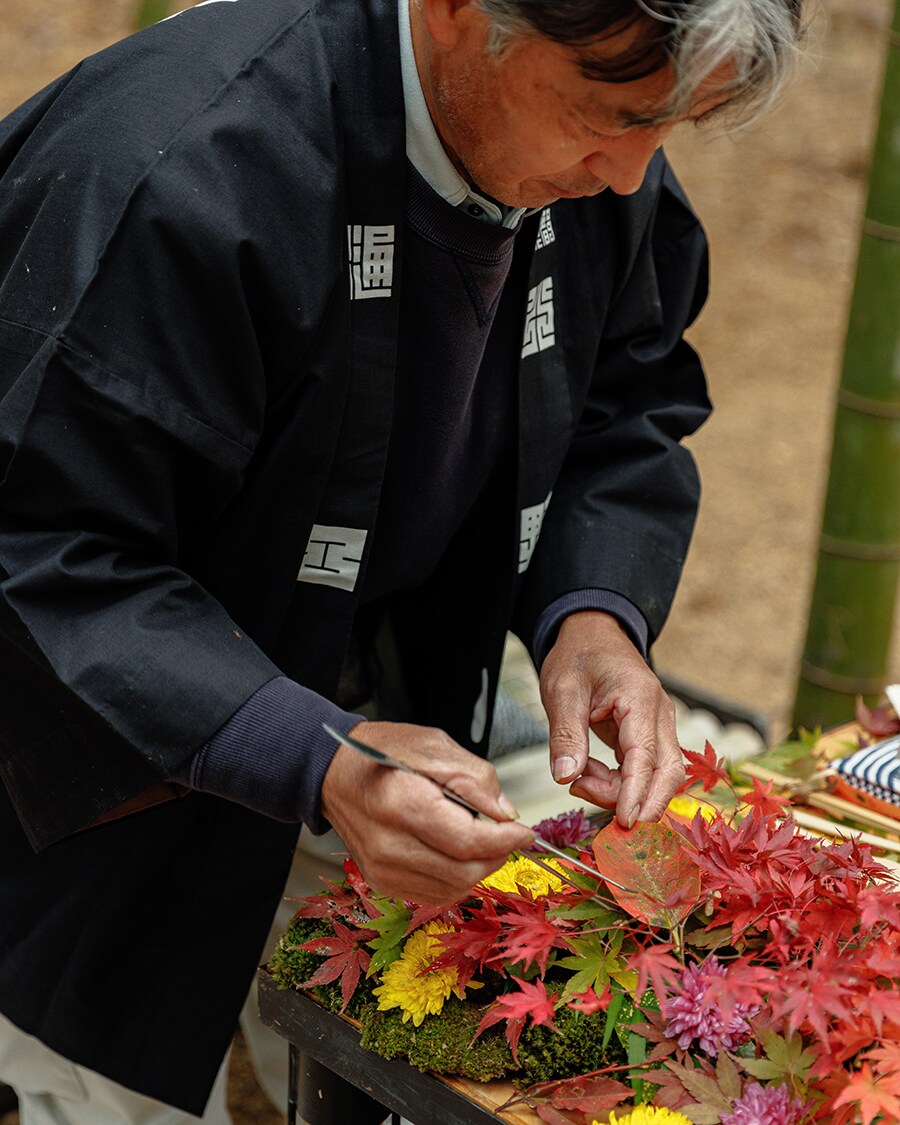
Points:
408	839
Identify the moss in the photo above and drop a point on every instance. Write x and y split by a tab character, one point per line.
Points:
442	1044
575	1048
290	966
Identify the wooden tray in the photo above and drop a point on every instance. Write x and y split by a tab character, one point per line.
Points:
426	1099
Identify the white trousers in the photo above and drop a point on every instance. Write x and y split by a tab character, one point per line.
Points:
54	1091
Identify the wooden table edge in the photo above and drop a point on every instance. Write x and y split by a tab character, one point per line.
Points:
423	1098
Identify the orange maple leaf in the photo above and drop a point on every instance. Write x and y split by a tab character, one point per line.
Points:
873	1094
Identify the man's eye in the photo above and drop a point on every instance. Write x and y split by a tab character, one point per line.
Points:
596	133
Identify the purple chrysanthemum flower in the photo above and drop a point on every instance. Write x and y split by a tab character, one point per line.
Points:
566	829
766	1105
691	1015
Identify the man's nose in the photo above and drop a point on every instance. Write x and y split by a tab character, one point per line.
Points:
622	164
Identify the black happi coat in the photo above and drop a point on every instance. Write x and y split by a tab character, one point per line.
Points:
189	382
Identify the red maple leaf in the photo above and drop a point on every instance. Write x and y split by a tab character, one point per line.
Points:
873	1094
811	995
832	1085
589	1002
423	914
764	802
879	905
355	878
345	958
705	767
468	947
528	935
888	1055
514	1007
337	901
878	721
882	1004
656	964
591	1093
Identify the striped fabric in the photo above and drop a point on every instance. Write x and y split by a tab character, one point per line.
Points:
874	769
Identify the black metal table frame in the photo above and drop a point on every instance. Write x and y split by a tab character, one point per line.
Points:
321	1035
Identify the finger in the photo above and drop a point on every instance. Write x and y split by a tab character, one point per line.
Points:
651	765
451	830
598	784
435	754
477	784
566	697
408	838
425	844
424	876
666	779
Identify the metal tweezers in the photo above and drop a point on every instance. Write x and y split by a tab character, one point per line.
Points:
395	764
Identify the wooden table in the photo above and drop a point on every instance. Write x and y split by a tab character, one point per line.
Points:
313	1033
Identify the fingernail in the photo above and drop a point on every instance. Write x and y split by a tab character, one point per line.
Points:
633	816
507	807
563	768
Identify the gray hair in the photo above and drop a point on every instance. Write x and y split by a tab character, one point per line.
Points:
759	39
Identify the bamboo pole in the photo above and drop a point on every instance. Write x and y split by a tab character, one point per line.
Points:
855	589
152	11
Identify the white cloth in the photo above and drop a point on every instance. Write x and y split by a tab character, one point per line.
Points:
53	1090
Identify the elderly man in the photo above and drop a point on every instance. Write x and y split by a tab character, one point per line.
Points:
327	358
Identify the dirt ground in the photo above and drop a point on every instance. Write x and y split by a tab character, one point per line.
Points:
782	204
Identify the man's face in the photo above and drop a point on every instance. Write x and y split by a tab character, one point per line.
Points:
528	127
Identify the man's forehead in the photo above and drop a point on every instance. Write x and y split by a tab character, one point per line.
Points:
631	70
650	101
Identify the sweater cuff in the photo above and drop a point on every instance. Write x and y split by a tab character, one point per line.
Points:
272	754
616	605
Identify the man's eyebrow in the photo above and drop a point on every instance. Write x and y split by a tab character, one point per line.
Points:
635	119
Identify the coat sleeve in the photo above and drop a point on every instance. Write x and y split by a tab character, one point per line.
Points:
141	330
624	504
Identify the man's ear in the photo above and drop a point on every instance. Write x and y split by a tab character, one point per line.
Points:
446	19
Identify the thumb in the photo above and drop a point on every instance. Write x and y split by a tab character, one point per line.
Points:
567	703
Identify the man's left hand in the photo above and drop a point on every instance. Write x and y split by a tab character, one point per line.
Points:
595	678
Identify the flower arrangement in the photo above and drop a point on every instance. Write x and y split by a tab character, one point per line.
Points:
736	972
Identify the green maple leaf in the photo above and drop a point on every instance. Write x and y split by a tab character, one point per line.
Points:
784	1058
795	757
596	961
588	910
391	924
702	1113
729	1078
714	1095
712	939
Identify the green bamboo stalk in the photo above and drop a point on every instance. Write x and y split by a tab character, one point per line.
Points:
855	589
152	11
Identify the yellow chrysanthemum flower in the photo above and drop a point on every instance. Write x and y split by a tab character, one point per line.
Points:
406	983
688	807
648	1115
519	871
